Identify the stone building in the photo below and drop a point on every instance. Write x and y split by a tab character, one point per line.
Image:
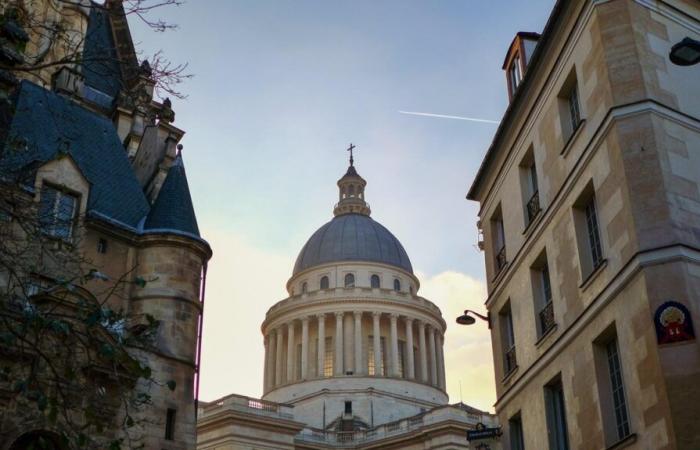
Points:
353	357
590	211
98	158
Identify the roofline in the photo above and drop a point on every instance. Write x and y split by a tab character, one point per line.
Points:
517	99
520	34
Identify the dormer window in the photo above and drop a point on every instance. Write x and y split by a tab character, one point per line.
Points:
57	212
515	74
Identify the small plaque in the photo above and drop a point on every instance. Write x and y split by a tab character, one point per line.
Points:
673	323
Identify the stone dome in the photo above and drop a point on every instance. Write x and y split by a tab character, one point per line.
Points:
352	237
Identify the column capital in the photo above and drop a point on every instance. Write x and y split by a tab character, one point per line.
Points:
290	324
339	314
357	313
321	315
376	313
305	320
394	316
408	319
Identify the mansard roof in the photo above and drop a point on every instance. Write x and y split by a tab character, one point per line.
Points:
173	209
101	64
46	125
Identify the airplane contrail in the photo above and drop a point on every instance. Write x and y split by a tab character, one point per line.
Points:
443	116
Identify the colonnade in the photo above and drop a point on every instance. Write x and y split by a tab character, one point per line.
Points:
348	354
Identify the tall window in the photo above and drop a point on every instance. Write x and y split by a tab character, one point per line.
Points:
593	233
170	424
499	240
529	186
349	280
57	212
304	287
613	400
569	106
324	282
574	109
587	231
507	339
328	358
374	281
556	416
515	430
542	293
402	360
397	284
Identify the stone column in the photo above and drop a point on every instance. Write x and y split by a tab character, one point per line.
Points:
359	368
441	362
377	343
338	369
304	348
321	343
411	372
290	352
423	352
433	356
266	370
278	356
394	366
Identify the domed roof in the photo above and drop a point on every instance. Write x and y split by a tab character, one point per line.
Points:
352	237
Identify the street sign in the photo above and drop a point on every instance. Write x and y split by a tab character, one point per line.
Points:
482	432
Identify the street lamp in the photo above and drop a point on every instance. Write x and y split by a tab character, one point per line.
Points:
686	52
466	319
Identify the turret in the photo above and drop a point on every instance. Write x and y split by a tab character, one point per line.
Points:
351	192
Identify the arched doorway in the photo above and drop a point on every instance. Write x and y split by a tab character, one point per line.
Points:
38	440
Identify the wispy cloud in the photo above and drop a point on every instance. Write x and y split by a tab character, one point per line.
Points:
444	116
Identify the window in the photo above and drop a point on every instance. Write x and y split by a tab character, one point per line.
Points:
324	282
515	75
507	339
529	187
569	106
56	212
371	369
328	358
102	246
499	240
304	287
515	430
556	415
349	280
348	407
542	294
374	281
402	359
397	284
170	424
613	401
588	231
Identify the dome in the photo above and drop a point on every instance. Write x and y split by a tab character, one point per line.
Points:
352	237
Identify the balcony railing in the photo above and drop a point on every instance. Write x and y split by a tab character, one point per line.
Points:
249	405
501	259
547	318
533	206
510	360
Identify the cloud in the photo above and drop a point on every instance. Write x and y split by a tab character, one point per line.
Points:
468	355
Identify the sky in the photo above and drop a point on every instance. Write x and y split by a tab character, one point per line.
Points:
279	90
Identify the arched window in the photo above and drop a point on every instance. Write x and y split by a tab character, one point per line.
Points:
324	282
397	284
349	280
352	190
374	281
304	287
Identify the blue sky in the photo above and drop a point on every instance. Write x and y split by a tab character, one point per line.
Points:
280	90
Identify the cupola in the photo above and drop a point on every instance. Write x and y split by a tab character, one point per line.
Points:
517	59
351	192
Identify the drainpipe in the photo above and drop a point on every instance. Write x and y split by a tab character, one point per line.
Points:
199	342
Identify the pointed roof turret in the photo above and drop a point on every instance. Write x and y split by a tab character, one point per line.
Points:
173	208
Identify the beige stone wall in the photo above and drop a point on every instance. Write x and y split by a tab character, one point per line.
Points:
641	122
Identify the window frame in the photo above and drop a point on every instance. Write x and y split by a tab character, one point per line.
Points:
374	277
349	280
555	407
324	282
48	220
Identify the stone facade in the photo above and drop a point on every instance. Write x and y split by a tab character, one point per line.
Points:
611	220
125	180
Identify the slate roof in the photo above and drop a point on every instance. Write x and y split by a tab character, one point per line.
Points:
352	237
45	125
101	67
173	209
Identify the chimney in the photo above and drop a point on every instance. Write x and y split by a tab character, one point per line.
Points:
517	59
